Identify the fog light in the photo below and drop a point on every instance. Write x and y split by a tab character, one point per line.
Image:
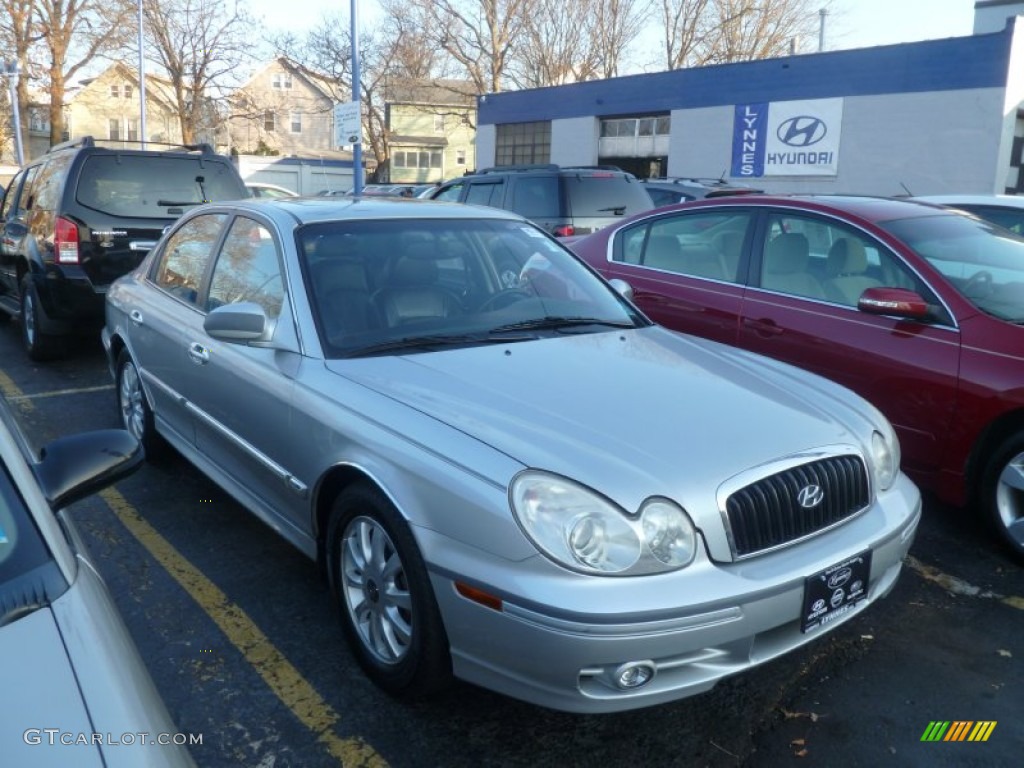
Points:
635	674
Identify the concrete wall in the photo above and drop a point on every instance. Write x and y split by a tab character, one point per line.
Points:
307	176
574	141
930	117
991	15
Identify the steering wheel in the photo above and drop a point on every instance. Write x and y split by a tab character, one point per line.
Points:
504	298
978	284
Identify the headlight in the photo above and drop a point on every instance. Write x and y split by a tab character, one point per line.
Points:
579	529
885	458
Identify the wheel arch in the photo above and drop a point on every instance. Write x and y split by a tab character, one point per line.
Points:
994	435
331	485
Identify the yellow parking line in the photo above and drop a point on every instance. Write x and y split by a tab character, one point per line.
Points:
59	392
284	680
957	586
11	392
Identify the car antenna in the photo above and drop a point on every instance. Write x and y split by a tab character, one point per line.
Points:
906	189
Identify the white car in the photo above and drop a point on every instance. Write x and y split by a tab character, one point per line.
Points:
260	189
1005	210
74	689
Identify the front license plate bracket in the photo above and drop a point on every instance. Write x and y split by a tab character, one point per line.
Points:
834	592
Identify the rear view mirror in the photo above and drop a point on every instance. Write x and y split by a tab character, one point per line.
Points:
71	468
893	301
243	321
624	288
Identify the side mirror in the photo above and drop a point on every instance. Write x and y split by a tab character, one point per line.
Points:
243	321
71	468
893	301
624	288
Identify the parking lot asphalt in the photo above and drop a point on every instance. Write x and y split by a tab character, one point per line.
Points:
239	633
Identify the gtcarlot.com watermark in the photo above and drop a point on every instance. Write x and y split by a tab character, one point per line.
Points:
55	736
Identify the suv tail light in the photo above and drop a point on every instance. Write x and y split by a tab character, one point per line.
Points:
65	241
564	230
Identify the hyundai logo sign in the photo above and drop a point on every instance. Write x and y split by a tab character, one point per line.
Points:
839	578
810	496
802	131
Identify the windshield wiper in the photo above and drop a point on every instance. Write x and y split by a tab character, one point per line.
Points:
439	340
177	203
555	322
618	210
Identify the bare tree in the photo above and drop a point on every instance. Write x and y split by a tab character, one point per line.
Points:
198	43
80	29
699	32
17	35
685	24
614	26
478	35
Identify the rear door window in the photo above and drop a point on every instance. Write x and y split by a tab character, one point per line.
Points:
186	254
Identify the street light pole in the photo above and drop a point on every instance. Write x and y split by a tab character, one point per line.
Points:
357	147
142	84
13	75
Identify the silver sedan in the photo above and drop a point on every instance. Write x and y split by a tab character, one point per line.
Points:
510	475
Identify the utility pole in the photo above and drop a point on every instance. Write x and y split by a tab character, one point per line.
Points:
821	29
357	147
13	75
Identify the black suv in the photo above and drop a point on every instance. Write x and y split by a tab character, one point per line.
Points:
563	200
82	215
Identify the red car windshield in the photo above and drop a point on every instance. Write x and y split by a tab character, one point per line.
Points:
984	262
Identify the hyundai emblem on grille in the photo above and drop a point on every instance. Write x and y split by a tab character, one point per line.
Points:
810	496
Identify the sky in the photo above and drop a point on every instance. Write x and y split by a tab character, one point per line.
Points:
850	23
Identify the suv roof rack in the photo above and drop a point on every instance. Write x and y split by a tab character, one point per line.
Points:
528	167
91	141
592	168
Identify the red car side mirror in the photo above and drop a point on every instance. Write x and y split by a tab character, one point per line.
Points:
893	301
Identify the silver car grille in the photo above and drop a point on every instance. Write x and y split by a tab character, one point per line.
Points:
769	513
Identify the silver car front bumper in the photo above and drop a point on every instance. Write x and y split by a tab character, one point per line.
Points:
562	643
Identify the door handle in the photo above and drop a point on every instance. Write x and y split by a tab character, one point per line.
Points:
199	354
135	316
763	327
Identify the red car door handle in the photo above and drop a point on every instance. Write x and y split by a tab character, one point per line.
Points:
762	327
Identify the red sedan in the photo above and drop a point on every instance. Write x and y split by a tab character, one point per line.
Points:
917	308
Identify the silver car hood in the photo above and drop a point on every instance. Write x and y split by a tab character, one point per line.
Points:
40	691
631	414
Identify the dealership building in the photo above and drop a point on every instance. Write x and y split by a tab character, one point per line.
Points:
920	118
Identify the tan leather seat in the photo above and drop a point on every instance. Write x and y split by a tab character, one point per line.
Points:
846	267
786	258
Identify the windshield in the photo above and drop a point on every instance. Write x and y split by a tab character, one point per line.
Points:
153	186
414	285
982	261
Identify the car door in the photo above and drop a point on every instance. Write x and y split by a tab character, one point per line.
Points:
686	268
15	228
242	399
165	322
801	308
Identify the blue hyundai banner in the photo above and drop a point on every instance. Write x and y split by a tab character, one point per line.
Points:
748	139
787	138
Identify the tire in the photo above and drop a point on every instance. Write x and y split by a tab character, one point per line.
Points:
136	415
383	594
39	346
1002	493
